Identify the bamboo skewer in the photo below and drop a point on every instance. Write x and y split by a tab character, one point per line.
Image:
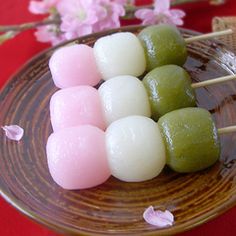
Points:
224	130
227	130
208	36
213	81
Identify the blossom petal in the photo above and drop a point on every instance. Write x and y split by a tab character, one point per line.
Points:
160	14
13	132
48	34
144	13
36	7
41	7
177	13
158	218
161	5
111	19
177	21
68	7
84	30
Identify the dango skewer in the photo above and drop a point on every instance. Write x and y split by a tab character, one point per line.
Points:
162	90
121	53
170	88
134	148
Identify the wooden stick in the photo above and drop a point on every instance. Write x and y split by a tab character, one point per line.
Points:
208	36
213	81
227	130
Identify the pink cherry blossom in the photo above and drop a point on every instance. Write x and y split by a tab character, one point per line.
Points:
160	14
42	7
78	17
81	17
13	132
158	218
108	13
49	34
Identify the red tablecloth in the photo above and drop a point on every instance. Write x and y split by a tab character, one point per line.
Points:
16	52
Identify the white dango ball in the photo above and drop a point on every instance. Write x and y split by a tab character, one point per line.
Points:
135	149
119	54
123	96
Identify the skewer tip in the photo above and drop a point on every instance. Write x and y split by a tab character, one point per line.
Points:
227	130
209	35
213	81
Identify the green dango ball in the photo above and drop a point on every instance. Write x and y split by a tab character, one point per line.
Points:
191	139
163	44
169	88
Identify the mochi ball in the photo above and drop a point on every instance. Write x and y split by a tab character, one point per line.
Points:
119	54
123	96
135	149
74	65
77	157
76	106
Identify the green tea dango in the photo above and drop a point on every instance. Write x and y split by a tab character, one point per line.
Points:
191	139
169	88
163	44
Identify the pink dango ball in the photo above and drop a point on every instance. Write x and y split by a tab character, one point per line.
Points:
77	158
74	65
76	106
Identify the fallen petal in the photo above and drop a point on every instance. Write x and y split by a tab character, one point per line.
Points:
13	132
158	218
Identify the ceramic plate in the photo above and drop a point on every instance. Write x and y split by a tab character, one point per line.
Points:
115	208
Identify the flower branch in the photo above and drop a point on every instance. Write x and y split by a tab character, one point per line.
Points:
30	25
69	19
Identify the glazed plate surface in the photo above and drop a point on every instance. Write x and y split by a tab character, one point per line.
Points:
115	208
